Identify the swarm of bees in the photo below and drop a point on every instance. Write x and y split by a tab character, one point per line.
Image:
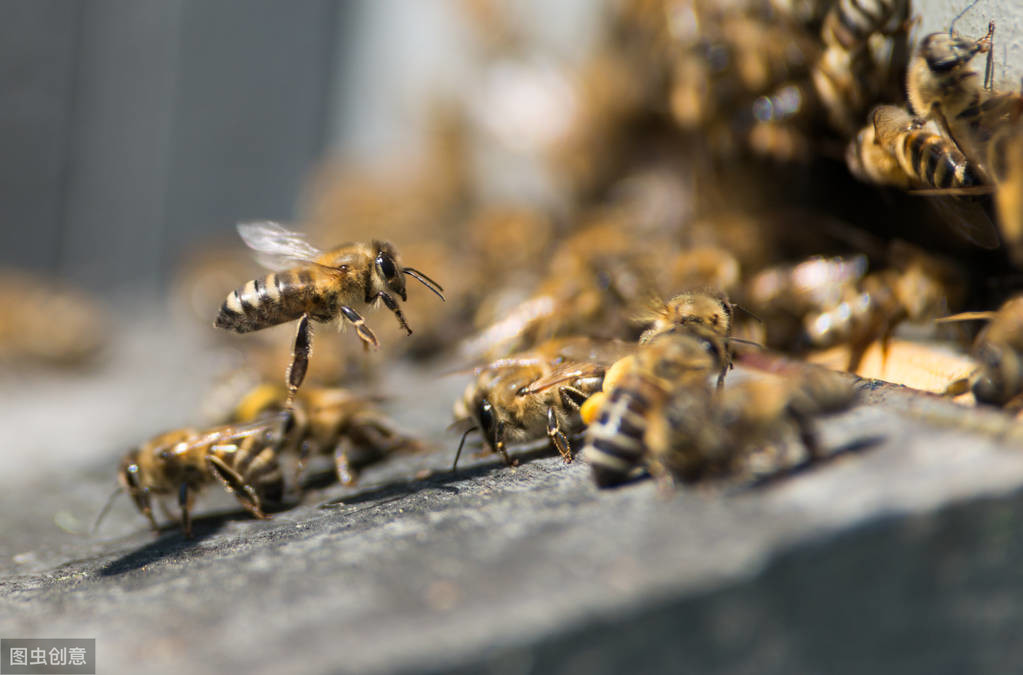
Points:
798	177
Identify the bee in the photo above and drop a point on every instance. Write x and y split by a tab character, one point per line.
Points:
941	86
849	24
928	158
696	435
1007	166
242	457
634	392
917	288
707	308
322	287
329	421
45	321
536	394
998	350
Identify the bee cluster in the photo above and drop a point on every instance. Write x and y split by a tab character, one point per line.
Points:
708	152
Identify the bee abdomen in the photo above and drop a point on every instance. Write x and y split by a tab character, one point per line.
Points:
850	23
935	161
614	445
262	303
256	462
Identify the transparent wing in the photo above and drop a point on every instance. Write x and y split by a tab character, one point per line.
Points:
276	246
566	372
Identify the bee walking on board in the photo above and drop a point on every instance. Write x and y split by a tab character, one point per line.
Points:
243	458
635	390
696	435
536	395
998	351
329	421
313	285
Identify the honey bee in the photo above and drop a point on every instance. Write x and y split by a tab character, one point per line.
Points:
850	23
707	308
917	288
243	458
998	350
1007	147
44	321
928	158
536	394
634	392
696	435
329	421
322	287
941	86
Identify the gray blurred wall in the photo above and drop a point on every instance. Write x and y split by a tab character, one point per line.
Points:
129	128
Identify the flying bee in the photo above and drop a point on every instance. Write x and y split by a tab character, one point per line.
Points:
242	457
696	435
998	350
322	287
850	23
634	391
329	421
536	394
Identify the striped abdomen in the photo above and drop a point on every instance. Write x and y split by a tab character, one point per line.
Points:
850	23
614	446
255	461
275	299
934	160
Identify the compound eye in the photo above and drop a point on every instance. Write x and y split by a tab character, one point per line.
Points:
487	421
386	266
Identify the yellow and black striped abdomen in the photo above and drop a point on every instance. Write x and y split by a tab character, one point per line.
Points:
275	299
256	461
935	161
614	446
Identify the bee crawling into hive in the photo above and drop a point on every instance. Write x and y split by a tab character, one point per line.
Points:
315	285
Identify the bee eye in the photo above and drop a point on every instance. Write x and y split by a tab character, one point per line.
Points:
486	413
386	266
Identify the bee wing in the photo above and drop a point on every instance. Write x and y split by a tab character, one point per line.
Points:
967	316
276	246
232	433
968	219
566	372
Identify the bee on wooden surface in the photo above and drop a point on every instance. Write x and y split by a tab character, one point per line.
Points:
329	421
918	287
634	391
696	435
998	350
319	286
242	457
706	308
536	394
44	321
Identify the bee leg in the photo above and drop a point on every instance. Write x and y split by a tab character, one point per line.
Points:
557	436
347	474
304	451
662	478
499	445
299	358
856	352
185	504
361	329
145	504
392	305
233	483
807	434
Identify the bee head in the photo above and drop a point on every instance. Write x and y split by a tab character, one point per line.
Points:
389	269
487	417
947	51
128	477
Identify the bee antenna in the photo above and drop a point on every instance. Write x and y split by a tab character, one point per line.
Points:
951	26
425	280
747	312
106	508
458	454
